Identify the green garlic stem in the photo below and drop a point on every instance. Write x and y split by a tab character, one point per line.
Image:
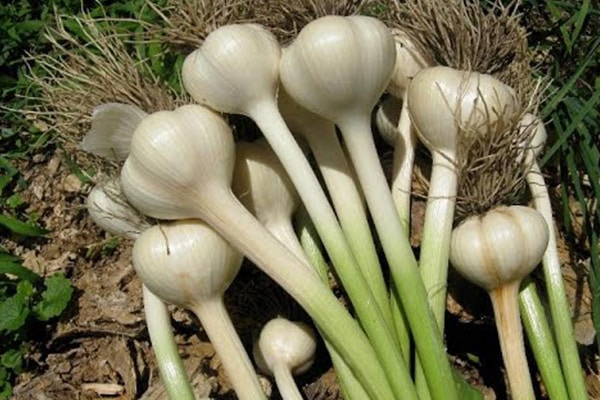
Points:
282	142
172	372
510	333
348	205
542	343
221	333
555	287
430	348
350	387
228	216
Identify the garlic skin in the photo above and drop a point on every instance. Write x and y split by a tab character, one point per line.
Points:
338	66
501	247
109	209
166	257
236	66
113	125
291	343
409	61
168	141
443	101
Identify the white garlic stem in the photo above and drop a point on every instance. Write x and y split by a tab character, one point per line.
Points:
404	156
285	233
172	372
510	332
285	382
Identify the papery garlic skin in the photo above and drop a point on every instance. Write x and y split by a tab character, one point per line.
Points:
443	101
167	139
113	125
291	343
185	262
236	66
501	247
356	59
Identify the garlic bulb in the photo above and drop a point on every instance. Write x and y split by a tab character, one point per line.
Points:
113	125
169	141
109	209
500	247
338	66
264	188
285	348
443	101
409	61
496	251
387	117
188	264
236	67
535	132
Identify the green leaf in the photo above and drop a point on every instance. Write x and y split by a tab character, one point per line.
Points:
466	391
20	227
55	298
13	359
13	313
9	267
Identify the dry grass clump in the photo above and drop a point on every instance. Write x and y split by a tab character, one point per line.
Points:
88	69
186	23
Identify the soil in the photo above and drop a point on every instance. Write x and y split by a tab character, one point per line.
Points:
100	348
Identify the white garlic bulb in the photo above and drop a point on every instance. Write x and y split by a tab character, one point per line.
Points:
500	247
236	66
409	61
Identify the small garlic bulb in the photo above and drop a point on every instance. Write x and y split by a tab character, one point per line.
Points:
339	66
236	66
443	101
409	61
185	262
175	155
109	209
501	247
387	117
290	343
113	125
536	135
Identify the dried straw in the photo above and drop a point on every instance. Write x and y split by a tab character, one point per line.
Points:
88	69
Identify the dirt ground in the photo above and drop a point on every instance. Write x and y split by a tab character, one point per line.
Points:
100	347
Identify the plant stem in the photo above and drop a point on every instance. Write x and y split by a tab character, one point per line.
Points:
540	338
227	215
350	387
285	383
158	321
555	287
348	204
359	141
510	332
284	232
221	333
282	142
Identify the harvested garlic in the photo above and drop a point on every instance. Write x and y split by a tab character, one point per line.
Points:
496	251
285	348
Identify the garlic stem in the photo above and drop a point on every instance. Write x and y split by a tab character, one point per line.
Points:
221	333
270	122
235	224
435	243
404	155
158	321
430	349
350	210
559	304
285	382
510	332
541	340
